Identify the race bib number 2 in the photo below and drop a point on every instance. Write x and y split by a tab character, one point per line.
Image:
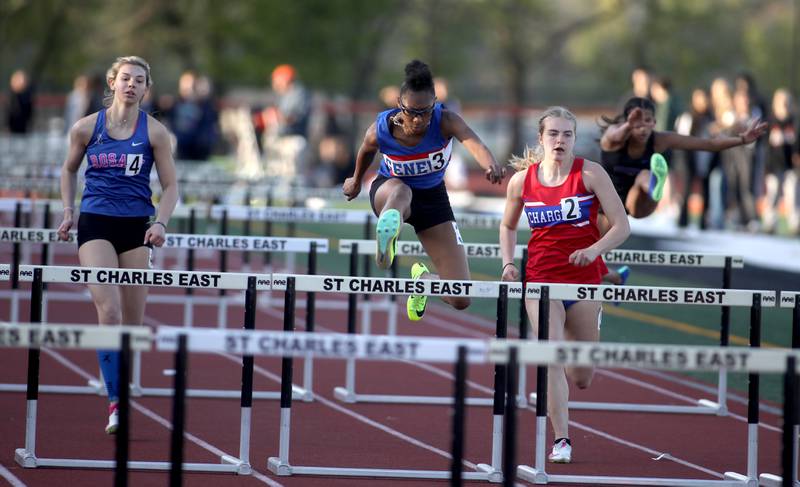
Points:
133	164
570	209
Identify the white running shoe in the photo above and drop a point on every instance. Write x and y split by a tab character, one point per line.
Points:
562	452
113	418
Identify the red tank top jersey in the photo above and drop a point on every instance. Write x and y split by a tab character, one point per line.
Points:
563	219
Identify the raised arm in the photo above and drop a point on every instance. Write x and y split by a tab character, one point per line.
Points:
508	226
165	167
455	126
615	135
79	136
366	153
671	140
596	180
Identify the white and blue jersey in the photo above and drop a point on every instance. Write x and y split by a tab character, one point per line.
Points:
421	166
118	172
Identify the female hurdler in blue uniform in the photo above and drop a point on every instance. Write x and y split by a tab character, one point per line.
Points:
416	141
121	143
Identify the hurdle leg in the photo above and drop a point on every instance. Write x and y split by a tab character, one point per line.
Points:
136	379
222	313
537	473
280	465
348	393
495	470
26	456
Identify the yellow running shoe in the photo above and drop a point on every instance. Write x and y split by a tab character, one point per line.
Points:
659	169
415	305
386	233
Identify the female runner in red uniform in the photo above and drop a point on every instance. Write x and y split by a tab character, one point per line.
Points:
561	195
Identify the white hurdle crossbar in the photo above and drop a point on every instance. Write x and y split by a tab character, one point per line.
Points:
620	256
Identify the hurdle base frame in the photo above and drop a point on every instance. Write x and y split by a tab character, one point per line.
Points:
704	406
228	464
495	476
535	476
279	468
770	480
342	394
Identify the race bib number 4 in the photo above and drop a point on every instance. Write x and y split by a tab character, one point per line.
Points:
133	164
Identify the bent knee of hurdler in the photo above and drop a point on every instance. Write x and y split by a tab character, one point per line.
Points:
460	303
583	377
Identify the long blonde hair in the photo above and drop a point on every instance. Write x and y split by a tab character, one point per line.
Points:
536	153
113	71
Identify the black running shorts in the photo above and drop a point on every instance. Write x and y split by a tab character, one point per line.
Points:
429	207
123	232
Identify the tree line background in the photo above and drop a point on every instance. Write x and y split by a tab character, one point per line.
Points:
516	53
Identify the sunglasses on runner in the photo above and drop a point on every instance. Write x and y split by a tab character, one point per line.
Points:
414	112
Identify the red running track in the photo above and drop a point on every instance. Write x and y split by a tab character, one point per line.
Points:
329	433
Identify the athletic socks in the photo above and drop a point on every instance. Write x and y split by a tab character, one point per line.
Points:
109	365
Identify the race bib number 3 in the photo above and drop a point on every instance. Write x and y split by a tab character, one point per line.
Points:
570	209
133	164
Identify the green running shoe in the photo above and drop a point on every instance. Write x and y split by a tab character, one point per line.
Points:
658	176
386	233
416	304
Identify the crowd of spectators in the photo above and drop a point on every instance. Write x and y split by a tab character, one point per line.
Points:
292	133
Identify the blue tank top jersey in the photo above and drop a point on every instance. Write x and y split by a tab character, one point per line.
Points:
118	172
421	166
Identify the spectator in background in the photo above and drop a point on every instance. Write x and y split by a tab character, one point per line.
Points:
696	123
286	124
335	157
456	175
737	162
667	106
389	95
640	85
724	118
20	103
77	103
193	119
745	82
778	172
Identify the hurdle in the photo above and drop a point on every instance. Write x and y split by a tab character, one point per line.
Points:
699	296
621	256
90	337
39	275
373	346
684	358
159	278
789	299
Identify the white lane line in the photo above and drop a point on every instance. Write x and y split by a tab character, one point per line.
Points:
159	419
732	396
11	478
675	395
650	451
